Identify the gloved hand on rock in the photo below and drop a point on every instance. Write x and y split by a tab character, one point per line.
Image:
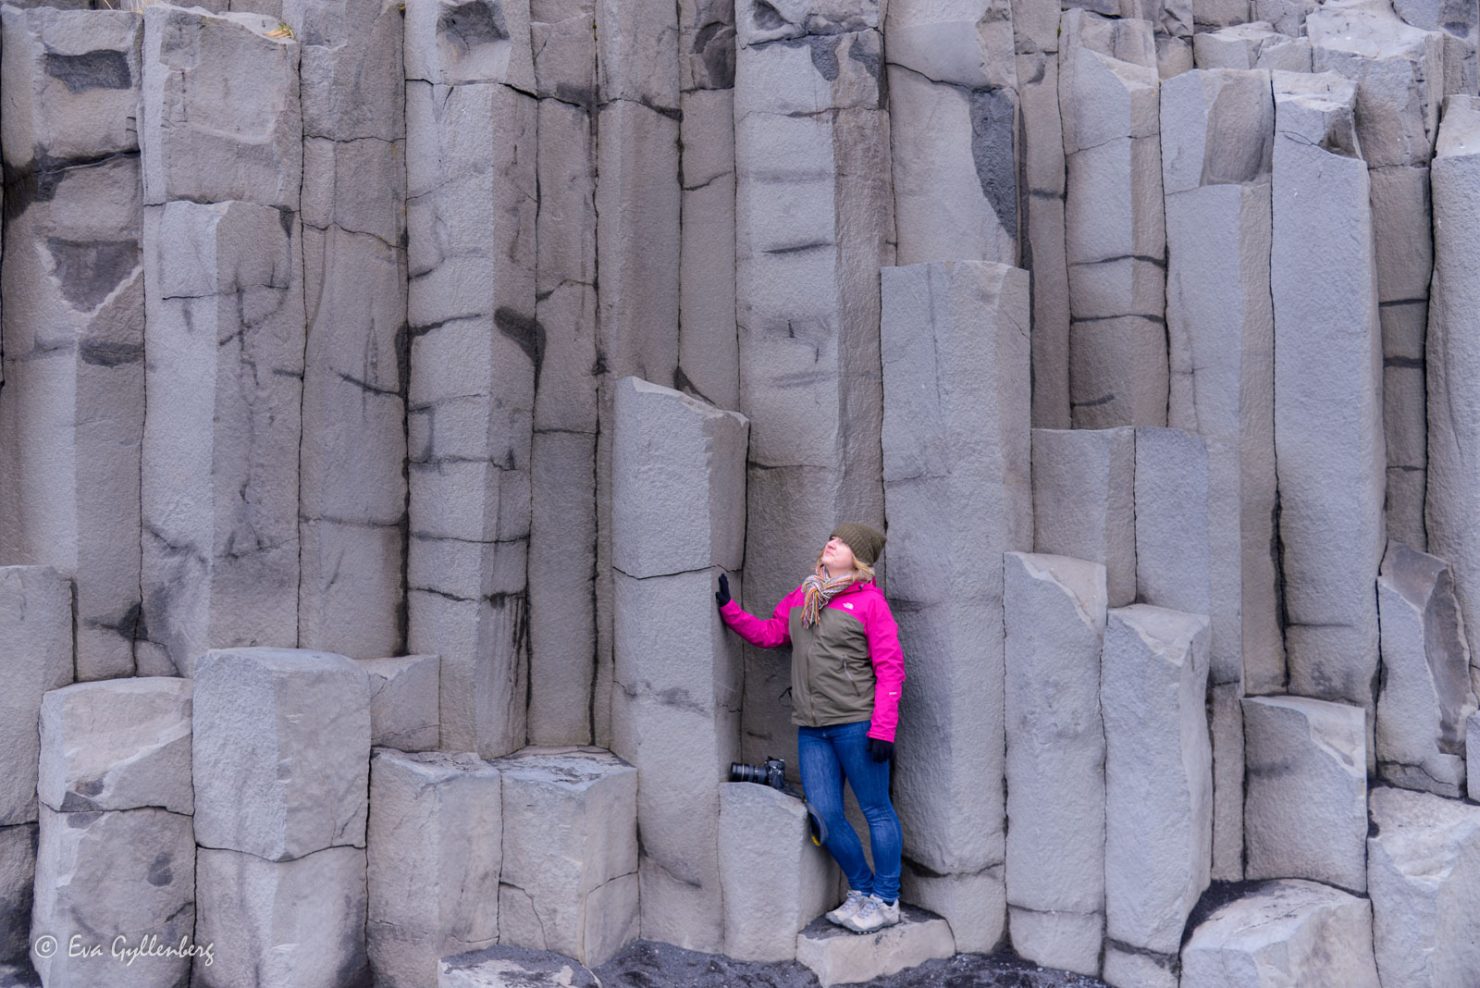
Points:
880	750
722	597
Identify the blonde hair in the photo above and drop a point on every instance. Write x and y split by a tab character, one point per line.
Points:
862	572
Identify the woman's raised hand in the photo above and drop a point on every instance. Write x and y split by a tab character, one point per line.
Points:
722	597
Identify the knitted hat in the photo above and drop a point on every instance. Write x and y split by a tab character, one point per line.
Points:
865	542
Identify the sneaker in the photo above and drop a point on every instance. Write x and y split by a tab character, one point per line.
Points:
873	915
850	905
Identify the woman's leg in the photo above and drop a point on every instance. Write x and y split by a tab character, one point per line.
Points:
822	783
870	782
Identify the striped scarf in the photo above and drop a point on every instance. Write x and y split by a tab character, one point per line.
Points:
818	592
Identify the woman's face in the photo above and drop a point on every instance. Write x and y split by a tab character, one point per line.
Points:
836	556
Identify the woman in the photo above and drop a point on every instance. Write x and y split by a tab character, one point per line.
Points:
846	675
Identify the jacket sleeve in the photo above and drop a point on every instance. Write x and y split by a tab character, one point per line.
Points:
772	632
888	661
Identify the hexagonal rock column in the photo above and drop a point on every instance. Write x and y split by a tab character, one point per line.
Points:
1423	873
17	882
678	489
776	880
434	852
1158	787
563	543
1116	236
353	492
403	701
1217	132
36	625
1425	695
1328	383
569	877
512	967
837	956
953	123
475	353
1454	356
72	410
1399	74
1054	616
814	223
956	431
1284	933
1251	46
117	852
1305	812
1084	501
1460	27
281	748
225	335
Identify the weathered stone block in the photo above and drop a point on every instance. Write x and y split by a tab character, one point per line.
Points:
17	882
678	482
1158	775
1125	967
431	888
199	138
1255	45
36	626
100	876
838	956
708	350
1173	568
569	878
1305	813
280	751
453	42
118	744
513	967
299	923
1084	501
776	880
1423	871
1328	413
1054	616
1425	695
403	701
1284	933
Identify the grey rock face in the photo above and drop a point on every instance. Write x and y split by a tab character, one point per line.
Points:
1255	45
1452	404
776	880
117	745
1421	868
1114	224
353	491
403	702
569	877
513	967
1328	418
17	881
272	923
947	330
1425	696
475	351
434	852
838	956
123	874
1084	483
280	751
708	350
72	413
1289	932
1054	616
36	624
1158	779
1305	815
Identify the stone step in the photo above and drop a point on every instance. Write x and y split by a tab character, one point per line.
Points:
838	956
513	967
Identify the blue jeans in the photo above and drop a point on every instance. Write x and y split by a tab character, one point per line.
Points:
828	756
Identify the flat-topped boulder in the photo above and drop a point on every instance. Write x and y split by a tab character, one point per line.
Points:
838	956
513	967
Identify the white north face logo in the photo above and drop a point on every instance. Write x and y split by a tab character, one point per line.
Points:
849	606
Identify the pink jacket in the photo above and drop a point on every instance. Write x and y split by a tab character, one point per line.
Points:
857	632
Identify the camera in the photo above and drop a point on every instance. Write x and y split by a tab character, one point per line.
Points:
772	773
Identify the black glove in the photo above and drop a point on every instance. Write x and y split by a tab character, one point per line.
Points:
722	597
880	750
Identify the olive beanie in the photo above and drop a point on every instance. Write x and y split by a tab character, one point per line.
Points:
865	542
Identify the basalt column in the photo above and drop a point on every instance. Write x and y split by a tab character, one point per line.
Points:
471	201
957	495
72	409
353	499
224	340
814	223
